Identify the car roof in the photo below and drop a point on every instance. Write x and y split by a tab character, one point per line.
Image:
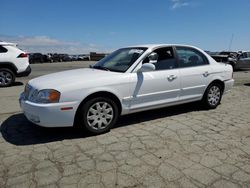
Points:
247	51
7	43
161	45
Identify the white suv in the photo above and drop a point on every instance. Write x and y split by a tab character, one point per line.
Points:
13	63
129	80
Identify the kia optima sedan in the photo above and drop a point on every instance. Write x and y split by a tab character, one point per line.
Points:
129	80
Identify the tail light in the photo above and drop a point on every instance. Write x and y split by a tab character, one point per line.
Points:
22	55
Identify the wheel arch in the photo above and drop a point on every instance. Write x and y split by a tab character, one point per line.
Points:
107	94
217	81
8	65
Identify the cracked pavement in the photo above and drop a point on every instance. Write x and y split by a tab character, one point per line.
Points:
182	146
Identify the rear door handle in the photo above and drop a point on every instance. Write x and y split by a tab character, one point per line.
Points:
206	74
172	77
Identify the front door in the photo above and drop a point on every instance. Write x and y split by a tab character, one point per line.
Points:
158	87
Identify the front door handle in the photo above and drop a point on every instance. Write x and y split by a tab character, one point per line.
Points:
172	77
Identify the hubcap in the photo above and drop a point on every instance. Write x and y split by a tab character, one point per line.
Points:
100	115
214	95
5	78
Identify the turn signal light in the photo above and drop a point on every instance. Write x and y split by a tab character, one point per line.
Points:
54	96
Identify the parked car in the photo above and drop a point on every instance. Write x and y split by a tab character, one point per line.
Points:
13	63
48	58
56	57
93	56
229	57
129	80
66	57
73	57
60	57
83	58
36	58
243	61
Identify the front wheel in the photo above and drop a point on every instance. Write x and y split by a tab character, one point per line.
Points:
99	114
7	77
212	96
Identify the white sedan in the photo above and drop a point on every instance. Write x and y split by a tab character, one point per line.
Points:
129	80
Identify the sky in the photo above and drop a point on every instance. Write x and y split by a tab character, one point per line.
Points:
81	26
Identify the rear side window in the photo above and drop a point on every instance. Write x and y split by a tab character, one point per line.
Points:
189	57
3	50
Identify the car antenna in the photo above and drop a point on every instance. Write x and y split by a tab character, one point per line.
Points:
230	43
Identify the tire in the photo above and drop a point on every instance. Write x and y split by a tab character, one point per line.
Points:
212	96
100	120
7	77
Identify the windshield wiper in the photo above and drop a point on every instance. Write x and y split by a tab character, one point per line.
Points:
100	67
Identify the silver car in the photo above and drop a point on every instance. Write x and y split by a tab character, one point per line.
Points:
243	61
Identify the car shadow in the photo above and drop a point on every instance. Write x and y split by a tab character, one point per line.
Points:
19	131
158	113
17	84
247	84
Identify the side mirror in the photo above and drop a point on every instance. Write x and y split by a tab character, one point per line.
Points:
153	57
147	67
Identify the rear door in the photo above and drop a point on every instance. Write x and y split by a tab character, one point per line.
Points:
194	73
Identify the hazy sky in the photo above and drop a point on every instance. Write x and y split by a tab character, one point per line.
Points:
80	26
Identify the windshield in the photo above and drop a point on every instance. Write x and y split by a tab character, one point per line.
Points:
120	60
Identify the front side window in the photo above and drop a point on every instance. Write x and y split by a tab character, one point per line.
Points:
3	50
243	55
120	60
189	57
165	60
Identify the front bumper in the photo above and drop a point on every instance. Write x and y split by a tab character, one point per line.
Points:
228	85
49	115
24	73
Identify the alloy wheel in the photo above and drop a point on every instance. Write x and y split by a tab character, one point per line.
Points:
5	78
214	95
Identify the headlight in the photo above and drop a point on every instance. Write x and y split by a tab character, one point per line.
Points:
47	96
27	91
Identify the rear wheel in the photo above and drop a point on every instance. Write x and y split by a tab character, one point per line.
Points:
99	114
7	77
212	96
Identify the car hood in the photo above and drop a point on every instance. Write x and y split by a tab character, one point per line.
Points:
69	78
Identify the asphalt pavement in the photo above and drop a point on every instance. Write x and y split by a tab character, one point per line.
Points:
182	146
